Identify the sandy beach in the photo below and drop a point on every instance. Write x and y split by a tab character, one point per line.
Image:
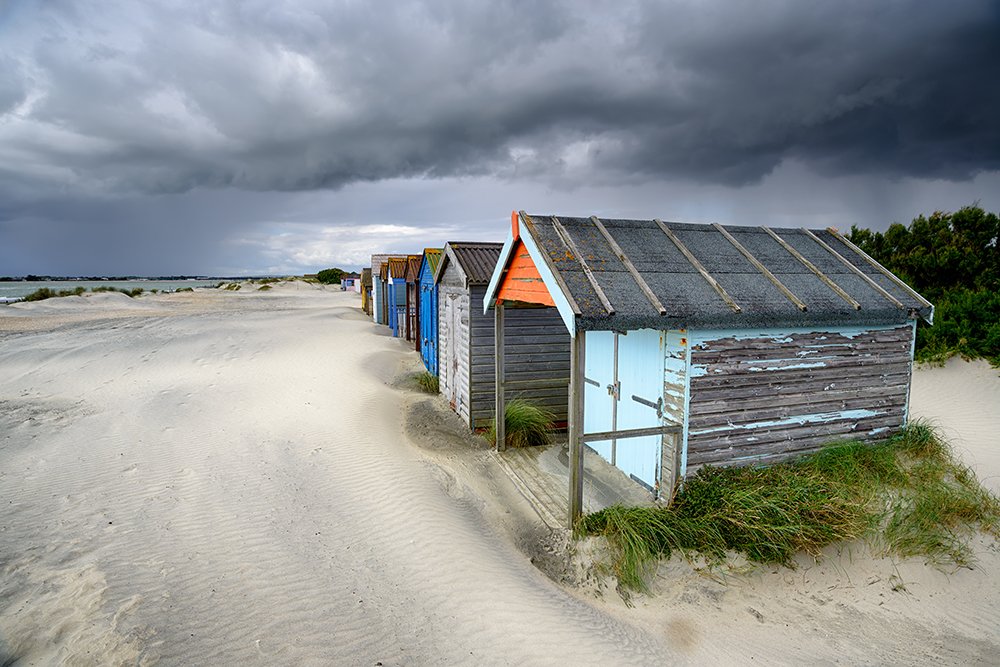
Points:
249	477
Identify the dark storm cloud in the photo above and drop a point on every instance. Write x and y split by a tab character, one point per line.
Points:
297	96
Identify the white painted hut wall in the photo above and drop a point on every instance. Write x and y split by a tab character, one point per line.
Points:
767	395
453	339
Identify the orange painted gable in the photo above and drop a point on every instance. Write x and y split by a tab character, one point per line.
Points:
523	282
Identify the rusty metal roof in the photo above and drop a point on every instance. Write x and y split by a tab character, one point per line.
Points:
413	268
397	266
476	259
433	257
633	274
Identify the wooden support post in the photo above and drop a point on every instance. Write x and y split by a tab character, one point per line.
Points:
501	406
577	356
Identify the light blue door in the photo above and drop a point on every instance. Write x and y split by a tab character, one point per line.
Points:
623	390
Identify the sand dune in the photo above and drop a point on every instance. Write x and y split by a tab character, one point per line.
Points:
241	477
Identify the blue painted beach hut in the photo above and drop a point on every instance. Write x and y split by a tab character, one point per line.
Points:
379	311
427	308
396	291
697	344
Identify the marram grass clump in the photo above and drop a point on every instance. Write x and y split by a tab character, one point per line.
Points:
428	382
907	497
526	425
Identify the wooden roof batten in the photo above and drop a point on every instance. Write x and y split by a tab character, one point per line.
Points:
812	267
858	272
730	301
530	225
571	246
643	286
884	271
760	267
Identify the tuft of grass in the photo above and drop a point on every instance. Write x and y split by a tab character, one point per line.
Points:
45	293
184	289
908	497
263	288
127	292
526	425
428	382
232	287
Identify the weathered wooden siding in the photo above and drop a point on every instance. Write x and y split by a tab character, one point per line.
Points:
453	340
675	387
770	396
536	359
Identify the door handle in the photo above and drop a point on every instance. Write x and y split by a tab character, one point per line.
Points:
658	406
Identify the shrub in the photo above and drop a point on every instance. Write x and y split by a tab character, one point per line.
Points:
263	288
45	293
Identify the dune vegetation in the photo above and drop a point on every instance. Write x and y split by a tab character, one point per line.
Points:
906	497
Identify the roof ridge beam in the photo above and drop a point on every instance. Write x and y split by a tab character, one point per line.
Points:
730	301
871	283
643	286
812	267
884	271
760	267
571	246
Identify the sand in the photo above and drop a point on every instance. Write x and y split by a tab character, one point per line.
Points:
221	477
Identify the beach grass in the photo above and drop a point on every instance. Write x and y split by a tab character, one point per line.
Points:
264	288
428	382
47	293
232	287
525	424
907	497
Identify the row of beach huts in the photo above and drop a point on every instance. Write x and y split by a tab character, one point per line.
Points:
661	346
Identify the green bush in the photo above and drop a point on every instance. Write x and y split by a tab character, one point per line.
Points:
45	293
330	276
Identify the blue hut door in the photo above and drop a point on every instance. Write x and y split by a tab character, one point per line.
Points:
624	390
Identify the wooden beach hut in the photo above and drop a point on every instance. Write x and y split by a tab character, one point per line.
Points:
697	344
378	309
427	305
412	314
537	348
366	290
396	290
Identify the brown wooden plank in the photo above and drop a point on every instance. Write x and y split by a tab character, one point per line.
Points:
809	265
730	301
760	267
620	254
881	269
571	246
858	272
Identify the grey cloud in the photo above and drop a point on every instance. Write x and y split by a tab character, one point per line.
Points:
296	96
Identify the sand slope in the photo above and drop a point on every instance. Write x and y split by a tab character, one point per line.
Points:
233	485
240	477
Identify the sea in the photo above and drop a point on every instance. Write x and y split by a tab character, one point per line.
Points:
15	290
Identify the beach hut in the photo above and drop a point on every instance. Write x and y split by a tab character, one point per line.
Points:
396	290
427	307
412	278
696	344
366	290
379	311
537	351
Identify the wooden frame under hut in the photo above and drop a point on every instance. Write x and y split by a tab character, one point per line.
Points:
697	344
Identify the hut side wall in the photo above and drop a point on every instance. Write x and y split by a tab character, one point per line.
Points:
536	350
453	340
764	397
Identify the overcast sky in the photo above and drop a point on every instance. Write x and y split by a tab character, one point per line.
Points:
284	137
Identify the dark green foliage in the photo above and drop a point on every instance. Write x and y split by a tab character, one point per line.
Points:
908	496
952	259
526	425
330	276
184	289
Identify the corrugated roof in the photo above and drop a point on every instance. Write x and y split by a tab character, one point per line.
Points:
433	256
413	267
378	261
476	259
397	266
655	274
